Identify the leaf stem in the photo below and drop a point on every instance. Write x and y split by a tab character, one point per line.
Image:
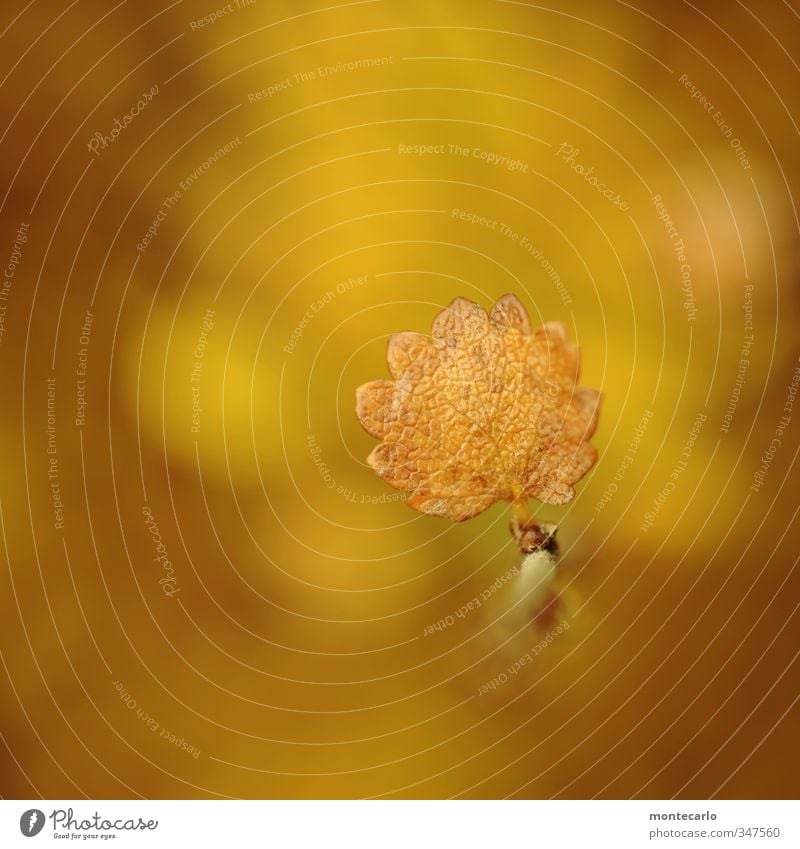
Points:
522	512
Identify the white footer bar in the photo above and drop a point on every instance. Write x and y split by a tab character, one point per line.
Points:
389	824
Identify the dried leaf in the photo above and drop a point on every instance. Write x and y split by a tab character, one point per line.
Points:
486	410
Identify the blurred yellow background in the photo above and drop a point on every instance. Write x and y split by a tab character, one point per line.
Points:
212	220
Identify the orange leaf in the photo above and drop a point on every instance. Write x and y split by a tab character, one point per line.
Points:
486	410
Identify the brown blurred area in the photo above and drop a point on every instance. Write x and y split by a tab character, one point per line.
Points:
188	303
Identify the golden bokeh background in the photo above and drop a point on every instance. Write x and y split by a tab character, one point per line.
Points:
212	220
